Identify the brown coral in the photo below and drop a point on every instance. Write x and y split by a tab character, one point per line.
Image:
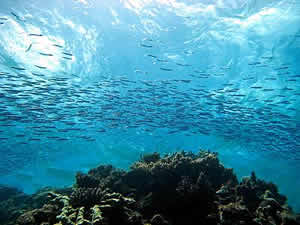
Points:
182	188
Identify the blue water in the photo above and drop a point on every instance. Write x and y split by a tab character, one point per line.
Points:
87	82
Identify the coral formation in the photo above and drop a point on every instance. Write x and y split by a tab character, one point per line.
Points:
178	189
13	203
8	192
102	176
18	203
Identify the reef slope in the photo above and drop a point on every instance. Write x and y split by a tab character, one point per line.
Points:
178	189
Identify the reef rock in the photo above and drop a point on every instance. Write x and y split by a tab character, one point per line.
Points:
252	191
102	176
45	215
178	189
8	192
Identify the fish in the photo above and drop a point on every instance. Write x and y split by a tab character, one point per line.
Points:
162	60
56	45
16	16
67	58
267	57
270	78
152	56
29	47
146	46
68	54
284	102
35	35
165	69
40	67
37	74
63	139
248	78
238	95
287	89
45	54
184	65
18	68
34	139
254	63
101	130
282	68
295	76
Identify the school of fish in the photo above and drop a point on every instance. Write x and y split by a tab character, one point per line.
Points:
38	107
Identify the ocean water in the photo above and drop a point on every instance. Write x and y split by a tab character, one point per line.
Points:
87	82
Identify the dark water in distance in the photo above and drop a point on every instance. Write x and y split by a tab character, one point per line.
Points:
87	82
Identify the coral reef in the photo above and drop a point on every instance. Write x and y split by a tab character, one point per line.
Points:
14	205
102	176
113	208
8	192
252	190
178	189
